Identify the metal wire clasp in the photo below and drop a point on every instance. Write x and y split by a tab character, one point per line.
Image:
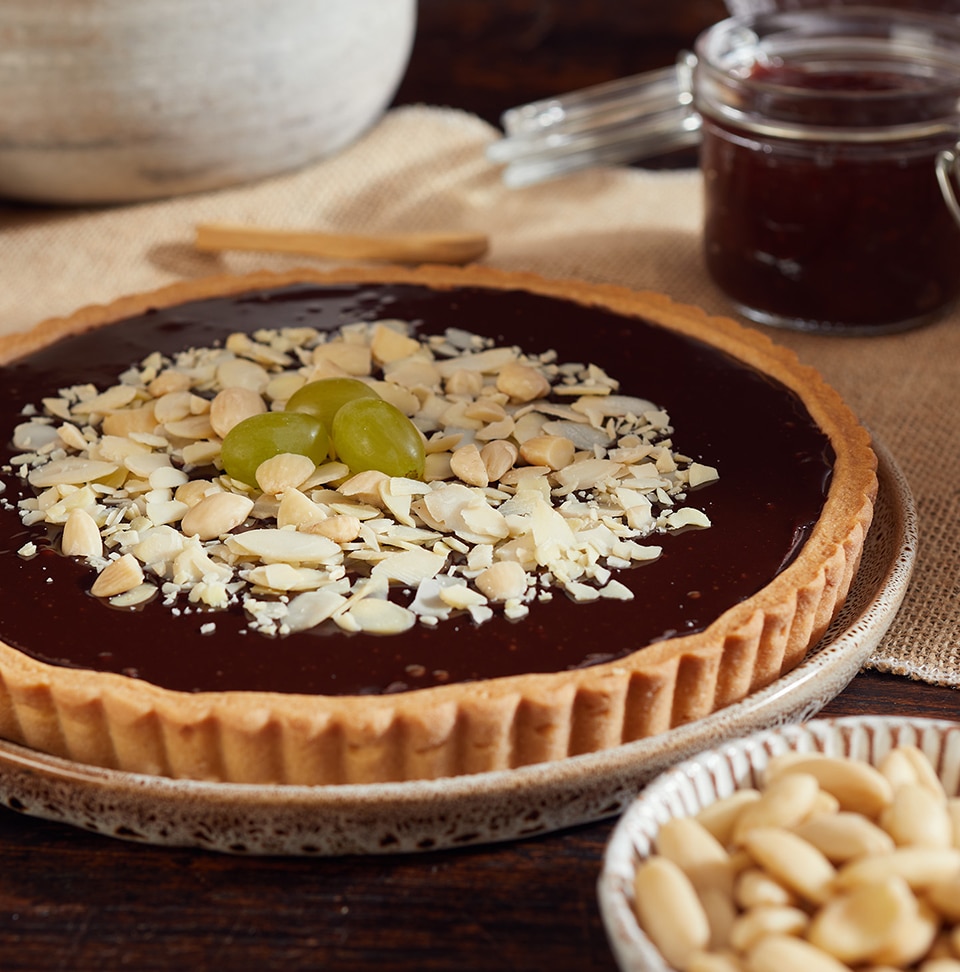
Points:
947	166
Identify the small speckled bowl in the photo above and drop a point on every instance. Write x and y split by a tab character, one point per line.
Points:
716	773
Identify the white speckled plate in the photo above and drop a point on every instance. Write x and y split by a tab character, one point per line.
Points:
715	773
489	807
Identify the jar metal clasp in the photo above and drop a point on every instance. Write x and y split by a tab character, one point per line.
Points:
948	165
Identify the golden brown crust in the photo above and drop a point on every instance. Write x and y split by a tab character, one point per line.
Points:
113	721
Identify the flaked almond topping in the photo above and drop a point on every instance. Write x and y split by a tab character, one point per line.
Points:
538	475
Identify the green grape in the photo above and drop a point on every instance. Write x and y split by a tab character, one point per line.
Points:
369	433
323	398
261	437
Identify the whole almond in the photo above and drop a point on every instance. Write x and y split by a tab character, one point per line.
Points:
215	515
118	577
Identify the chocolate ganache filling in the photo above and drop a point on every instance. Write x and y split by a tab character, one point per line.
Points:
775	467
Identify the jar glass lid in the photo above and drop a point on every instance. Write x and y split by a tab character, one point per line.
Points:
628	120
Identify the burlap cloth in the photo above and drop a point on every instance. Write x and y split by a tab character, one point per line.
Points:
424	168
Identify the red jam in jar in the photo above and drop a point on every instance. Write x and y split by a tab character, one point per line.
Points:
821	132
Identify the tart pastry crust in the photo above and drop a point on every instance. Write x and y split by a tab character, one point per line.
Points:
259	737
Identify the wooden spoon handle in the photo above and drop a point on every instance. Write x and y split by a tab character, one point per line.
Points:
391	247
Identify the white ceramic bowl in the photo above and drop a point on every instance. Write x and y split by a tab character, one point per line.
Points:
690	786
119	100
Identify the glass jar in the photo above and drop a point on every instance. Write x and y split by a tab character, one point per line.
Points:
821	133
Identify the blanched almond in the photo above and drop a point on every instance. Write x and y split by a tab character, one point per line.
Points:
467	465
288	470
498	456
81	536
464	383
391	344
118	577
854	927
485	410
522	382
692	847
858	786
552	451
784	953
923	770
920	867
794	862
784	803
912	938
341	528
216	515
720	817
766	920
945	897
845	836
755	887
918	816
669	911
714	962
232	405
192	492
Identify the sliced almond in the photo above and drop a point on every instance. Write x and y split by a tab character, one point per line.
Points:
380	616
73	470
284	546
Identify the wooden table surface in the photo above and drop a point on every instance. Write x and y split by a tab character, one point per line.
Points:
74	901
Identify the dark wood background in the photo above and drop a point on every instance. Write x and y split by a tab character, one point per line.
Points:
489	55
70	900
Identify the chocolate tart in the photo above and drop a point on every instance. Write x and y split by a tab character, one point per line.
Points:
723	613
